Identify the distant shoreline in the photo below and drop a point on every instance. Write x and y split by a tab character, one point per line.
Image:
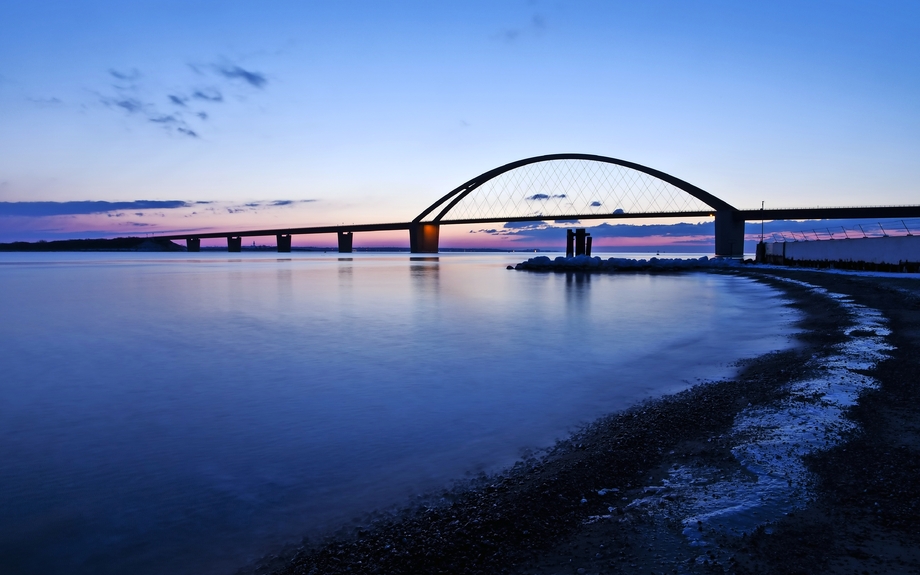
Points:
136	244
130	244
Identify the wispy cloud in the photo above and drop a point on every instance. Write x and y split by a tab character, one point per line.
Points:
208	95
134	106
130	75
46	102
254	79
130	105
129	94
164	119
535	26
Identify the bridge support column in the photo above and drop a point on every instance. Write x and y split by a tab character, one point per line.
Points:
577	243
345	242
284	243
581	237
729	234
234	244
423	238
761	253
193	244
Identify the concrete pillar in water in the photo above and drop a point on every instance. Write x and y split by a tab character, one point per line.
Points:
423	238
580	242
193	244
761	254
588	245
729	234
284	243
569	243
345	242
234	244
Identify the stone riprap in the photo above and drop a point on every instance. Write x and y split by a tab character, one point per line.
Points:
588	263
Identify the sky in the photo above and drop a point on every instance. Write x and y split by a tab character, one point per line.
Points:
142	117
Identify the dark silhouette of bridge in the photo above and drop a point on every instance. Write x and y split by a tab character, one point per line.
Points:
565	187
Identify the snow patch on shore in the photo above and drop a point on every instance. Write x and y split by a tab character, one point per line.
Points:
771	442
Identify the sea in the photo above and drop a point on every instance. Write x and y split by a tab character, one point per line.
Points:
189	413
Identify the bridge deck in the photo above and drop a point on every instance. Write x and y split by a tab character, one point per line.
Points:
746	215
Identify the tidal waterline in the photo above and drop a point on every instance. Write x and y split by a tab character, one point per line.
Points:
185	414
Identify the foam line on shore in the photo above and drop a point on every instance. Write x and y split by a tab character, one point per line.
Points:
770	443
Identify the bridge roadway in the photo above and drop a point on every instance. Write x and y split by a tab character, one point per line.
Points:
420	245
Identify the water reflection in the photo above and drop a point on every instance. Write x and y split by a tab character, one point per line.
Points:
284	282
577	290
425	276
577	278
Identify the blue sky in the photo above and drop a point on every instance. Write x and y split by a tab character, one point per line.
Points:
302	113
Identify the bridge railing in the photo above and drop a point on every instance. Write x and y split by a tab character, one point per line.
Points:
880	229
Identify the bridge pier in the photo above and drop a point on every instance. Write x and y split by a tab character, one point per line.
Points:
577	243
284	243
193	244
234	244
423	238
729	234
345	242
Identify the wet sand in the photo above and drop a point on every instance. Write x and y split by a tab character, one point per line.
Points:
605	500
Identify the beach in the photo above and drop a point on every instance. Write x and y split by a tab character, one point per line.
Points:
610	499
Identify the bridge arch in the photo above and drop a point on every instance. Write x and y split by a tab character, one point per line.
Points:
526	188
575	186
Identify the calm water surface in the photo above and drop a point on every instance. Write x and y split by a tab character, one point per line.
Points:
186	413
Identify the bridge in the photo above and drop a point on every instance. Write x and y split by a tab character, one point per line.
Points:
564	187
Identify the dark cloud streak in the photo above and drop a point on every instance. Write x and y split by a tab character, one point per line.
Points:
254	79
43	209
210	95
127	76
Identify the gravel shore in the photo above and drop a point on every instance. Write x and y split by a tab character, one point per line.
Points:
639	491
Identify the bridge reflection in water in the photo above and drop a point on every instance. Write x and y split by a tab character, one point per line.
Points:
565	187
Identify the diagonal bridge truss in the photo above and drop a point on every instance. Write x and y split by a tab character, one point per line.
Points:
570	186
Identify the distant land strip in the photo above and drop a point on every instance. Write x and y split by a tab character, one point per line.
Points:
135	244
96	245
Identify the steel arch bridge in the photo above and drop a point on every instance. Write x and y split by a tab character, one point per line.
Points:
575	186
564	187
